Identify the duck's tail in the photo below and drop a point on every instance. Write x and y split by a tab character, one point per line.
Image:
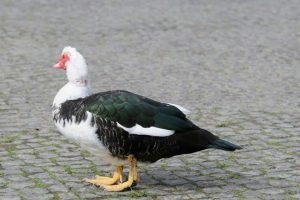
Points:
200	139
224	145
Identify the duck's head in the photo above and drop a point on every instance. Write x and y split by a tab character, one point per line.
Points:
74	64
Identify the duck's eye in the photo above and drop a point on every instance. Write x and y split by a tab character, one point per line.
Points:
64	57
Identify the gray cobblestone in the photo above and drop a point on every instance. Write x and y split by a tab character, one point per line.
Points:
235	63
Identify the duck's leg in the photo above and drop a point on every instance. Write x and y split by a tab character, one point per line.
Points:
136	177
129	182
103	180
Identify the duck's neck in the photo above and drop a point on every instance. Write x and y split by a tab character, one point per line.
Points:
71	91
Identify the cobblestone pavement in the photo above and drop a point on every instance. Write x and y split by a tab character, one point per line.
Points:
235	63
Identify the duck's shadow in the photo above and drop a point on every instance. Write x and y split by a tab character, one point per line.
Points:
196	179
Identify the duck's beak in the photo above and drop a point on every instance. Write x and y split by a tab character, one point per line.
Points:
62	62
60	65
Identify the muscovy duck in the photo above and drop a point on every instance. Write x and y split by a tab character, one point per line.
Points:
121	127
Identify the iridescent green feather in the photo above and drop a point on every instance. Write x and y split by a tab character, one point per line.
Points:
129	109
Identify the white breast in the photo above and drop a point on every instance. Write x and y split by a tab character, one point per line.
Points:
85	135
81	132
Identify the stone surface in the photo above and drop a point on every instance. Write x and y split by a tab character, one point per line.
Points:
234	63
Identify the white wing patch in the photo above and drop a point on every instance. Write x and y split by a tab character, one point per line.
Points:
182	109
151	131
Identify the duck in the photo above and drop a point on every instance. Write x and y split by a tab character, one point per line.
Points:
123	128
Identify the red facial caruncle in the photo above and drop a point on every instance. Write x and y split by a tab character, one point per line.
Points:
62	61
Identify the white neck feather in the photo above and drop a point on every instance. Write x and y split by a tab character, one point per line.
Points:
77	72
71	91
